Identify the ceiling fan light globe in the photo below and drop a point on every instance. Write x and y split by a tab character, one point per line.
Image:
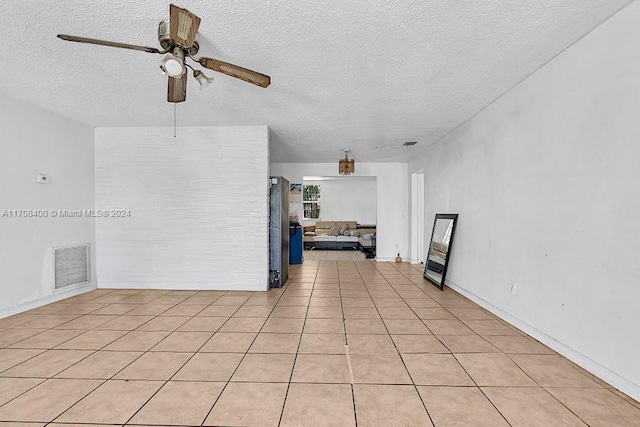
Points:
202	79
173	65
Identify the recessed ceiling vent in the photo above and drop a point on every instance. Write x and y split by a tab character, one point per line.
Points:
409	143
71	266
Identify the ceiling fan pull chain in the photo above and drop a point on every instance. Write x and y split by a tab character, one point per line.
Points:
174	120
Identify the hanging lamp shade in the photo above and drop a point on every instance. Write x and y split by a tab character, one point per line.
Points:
346	166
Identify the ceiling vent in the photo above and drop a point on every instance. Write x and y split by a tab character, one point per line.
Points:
71	266
409	143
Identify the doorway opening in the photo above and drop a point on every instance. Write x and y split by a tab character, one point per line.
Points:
339	216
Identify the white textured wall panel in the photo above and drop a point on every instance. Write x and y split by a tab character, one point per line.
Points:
35	141
546	184
198	204
347	199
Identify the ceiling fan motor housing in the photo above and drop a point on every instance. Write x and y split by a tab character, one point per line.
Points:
164	37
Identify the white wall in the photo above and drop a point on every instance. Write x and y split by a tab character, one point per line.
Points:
347	199
35	141
198	202
392	199
546	184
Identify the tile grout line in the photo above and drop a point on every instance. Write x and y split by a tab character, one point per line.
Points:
480	389
543	388
245	353
286	394
537	384
562	403
243	356
54	328
29	389
134	360
346	348
415	388
142	353
398	289
188	360
353	392
45	350
460	364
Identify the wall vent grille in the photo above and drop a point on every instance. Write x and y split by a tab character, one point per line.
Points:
71	266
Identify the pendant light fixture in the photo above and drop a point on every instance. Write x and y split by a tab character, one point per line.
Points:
346	166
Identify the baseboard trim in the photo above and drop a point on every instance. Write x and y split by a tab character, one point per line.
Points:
602	372
57	296
172	287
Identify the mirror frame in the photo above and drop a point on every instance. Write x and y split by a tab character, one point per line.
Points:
454	217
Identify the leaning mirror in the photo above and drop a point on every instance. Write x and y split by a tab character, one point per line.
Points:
435	268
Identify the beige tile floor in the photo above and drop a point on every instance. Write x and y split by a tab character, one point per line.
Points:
334	255
415	357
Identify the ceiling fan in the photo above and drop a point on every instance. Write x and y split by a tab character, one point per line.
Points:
178	40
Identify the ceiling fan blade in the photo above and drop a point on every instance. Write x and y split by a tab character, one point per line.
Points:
245	74
177	89
107	43
183	26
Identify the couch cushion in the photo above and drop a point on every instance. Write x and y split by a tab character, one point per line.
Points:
366	243
363	231
349	224
325	224
324	239
346	239
324	227
335	231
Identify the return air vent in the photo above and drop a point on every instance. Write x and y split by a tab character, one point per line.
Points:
409	143
71	266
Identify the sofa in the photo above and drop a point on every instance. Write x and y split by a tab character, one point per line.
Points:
437	257
340	235
367	240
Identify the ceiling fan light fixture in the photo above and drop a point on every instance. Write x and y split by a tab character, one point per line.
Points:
346	166
202	79
177	36
173	64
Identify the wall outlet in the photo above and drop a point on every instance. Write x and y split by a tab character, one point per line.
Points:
513	288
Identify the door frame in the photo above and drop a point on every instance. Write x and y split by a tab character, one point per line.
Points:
417	216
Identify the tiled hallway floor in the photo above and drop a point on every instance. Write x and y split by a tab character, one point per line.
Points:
334	255
415	357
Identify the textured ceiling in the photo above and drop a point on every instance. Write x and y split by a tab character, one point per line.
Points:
365	75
